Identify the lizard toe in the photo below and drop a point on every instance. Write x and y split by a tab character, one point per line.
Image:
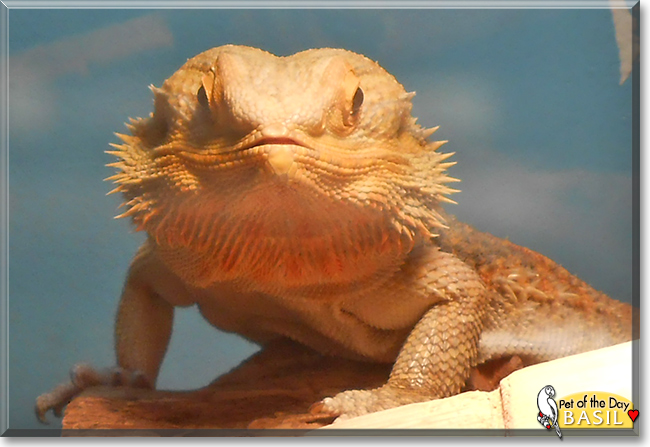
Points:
83	377
353	403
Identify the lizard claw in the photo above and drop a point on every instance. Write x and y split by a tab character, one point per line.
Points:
82	377
353	403
55	400
320	409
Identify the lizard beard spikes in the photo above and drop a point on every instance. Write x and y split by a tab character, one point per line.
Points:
271	235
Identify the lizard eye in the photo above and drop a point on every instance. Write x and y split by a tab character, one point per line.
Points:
202	97
351	114
357	100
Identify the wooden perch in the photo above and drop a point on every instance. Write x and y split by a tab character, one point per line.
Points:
276	388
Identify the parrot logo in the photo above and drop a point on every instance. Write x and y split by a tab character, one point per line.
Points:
548	414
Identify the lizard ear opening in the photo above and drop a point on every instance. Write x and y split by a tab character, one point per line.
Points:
153	130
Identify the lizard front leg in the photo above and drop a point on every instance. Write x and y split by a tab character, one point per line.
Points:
437	356
142	331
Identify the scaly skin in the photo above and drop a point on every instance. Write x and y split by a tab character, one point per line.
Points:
297	197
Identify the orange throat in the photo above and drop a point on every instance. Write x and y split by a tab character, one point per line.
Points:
277	239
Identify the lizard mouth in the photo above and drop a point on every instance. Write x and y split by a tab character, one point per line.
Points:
259	142
271	141
281	153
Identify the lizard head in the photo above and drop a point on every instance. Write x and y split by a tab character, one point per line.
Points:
306	169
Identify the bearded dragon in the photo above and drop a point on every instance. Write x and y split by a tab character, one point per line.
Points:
297	197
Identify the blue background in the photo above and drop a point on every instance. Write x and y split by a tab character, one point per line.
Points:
529	99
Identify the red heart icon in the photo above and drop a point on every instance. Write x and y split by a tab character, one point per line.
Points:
633	414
